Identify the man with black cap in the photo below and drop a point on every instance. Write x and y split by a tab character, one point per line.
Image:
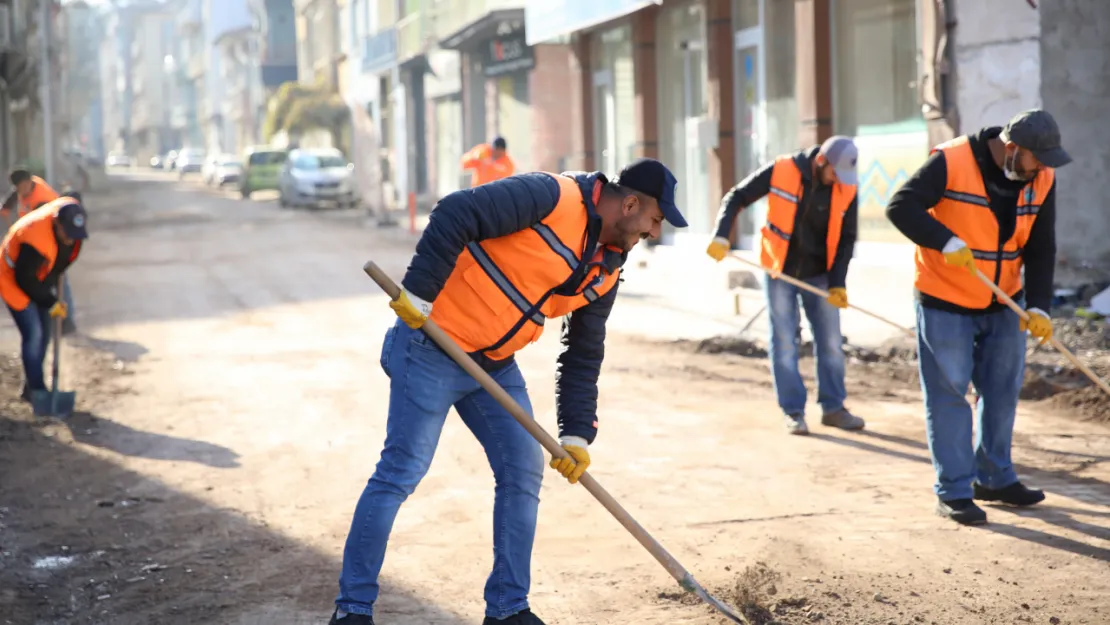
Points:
489	162
981	202
38	249
496	261
812	218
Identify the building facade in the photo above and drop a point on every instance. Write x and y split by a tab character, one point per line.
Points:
152	85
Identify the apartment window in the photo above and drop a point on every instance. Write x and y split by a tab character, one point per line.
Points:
875	45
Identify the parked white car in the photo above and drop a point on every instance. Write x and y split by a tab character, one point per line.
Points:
317	177
221	170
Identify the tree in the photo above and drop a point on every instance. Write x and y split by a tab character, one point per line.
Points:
297	108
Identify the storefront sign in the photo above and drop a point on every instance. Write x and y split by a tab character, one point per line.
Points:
507	54
548	19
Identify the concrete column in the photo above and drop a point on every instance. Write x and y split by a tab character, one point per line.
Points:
580	62
646	85
719	56
814	77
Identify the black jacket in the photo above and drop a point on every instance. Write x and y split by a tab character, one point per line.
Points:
44	293
806	254
908	211
501	208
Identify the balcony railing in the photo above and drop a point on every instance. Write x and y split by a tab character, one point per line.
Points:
379	50
413	32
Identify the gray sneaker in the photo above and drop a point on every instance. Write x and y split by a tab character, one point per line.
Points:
842	419
796	424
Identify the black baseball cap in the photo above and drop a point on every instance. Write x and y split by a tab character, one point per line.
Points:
72	218
1036	131
650	177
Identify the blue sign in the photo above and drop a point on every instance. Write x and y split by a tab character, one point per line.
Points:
548	19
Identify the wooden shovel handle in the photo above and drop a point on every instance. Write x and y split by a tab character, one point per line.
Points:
1006	299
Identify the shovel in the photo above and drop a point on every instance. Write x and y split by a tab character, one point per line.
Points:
55	403
681	575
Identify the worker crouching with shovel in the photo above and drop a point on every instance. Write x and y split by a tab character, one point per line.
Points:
37	250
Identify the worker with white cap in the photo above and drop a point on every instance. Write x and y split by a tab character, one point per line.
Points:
812	218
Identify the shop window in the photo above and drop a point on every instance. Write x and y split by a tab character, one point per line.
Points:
875	46
613	99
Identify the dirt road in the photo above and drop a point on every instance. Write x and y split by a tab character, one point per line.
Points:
233	408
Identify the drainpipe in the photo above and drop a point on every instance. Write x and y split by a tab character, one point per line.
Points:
47	105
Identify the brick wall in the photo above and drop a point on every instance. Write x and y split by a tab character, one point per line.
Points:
556	119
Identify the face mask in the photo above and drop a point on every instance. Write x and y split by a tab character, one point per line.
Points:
1007	164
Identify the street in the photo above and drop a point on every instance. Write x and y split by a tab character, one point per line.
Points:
231	407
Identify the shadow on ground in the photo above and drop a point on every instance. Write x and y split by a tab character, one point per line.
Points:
87	541
99	432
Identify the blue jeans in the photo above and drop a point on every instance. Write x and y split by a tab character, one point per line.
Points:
953	351
34	331
424	384
782	307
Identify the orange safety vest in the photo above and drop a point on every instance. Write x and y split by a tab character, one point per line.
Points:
966	211
786	192
502	290
36	229
40	194
486	170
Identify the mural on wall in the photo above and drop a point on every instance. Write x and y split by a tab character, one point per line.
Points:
886	161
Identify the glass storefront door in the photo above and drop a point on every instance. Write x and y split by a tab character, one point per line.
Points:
614	97
683	107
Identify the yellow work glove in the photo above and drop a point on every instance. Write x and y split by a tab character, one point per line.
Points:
718	248
1038	325
411	309
572	468
58	310
838	297
957	253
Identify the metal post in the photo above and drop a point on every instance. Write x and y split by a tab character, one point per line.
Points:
47	106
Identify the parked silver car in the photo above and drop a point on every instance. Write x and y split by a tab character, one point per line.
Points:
316	178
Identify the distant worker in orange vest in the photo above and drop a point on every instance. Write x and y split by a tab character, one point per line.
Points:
981	202
30	193
489	162
812	218
37	249
496	264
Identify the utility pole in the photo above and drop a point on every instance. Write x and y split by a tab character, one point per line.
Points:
47	105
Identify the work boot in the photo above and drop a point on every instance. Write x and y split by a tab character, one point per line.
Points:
962	511
796	424
520	618
1016	494
25	395
842	419
350	619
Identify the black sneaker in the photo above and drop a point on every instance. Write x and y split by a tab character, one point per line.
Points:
962	511
350	619
520	618
1016	494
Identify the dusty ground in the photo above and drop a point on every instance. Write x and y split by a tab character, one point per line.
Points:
231	410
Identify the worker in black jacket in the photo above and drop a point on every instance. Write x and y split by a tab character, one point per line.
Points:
983	202
811	227
494	263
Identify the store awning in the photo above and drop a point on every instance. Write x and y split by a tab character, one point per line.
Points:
482	29
548	19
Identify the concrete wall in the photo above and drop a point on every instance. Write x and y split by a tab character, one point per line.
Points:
997	55
1075	75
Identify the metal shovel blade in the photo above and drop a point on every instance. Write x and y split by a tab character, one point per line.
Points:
691	585
53	403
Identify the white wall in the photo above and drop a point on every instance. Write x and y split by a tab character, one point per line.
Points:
998	59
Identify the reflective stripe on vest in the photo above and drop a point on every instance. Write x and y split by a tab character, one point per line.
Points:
783	199
502	290
965	210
